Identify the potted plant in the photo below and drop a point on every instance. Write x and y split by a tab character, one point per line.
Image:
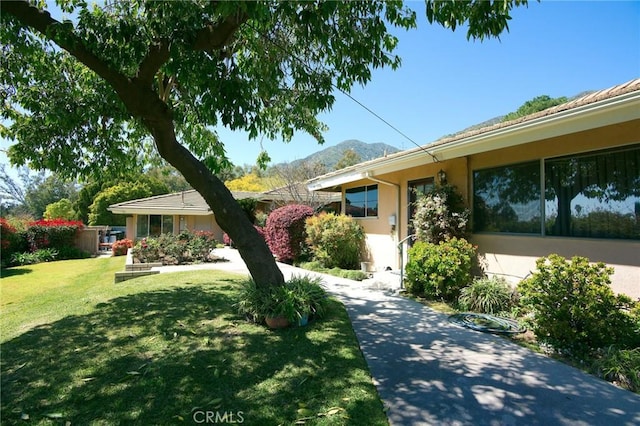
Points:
309	297
281	309
298	300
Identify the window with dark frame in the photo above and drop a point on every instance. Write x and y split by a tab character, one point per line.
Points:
153	225
362	201
590	195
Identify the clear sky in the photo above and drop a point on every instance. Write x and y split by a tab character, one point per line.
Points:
446	83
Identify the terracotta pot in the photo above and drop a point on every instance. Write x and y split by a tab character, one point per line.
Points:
277	322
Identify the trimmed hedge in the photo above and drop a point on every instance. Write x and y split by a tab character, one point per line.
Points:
285	232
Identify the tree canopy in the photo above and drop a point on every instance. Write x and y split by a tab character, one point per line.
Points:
118	80
539	103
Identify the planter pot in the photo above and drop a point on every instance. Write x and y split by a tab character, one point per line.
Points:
277	322
303	320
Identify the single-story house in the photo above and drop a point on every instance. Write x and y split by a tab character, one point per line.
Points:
187	210
564	180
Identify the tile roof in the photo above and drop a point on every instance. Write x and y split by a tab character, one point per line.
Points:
601	95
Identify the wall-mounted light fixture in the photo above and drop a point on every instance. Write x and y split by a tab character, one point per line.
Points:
442	177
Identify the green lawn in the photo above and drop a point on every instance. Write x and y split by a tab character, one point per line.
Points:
168	349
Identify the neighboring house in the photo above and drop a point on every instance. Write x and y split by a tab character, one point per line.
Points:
564	180
187	210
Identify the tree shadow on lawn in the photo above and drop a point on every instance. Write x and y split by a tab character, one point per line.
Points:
11	272
160	357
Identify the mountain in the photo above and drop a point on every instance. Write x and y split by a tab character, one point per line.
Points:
366	151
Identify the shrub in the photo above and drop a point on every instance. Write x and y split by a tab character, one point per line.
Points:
440	215
56	234
439	271
335	240
285	232
487	295
38	256
173	249
8	240
120	247
298	297
619	366
337	272
574	308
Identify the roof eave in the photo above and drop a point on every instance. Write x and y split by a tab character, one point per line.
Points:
602	113
159	211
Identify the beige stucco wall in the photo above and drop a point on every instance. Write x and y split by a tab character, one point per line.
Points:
382	239
512	256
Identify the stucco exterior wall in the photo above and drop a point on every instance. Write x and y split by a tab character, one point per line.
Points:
592	140
509	255
382	237
514	257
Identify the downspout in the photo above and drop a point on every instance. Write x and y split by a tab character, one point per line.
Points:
369	176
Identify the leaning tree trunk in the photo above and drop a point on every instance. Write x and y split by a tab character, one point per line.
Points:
228	213
142	102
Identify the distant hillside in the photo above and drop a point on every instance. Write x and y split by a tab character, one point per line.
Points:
367	151
500	118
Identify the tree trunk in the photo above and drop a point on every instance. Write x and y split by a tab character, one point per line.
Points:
142	102
228	213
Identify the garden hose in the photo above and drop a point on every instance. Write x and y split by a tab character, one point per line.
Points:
487	323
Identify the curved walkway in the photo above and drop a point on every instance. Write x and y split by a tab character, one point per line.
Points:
429	371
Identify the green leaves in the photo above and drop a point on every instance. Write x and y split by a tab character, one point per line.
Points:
483	18
268	68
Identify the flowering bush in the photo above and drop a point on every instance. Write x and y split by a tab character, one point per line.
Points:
57	234
7	233
176	249
120	247
440	271
8	240
285	232
440	215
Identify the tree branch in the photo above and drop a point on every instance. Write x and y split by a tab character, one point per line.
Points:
157	56
41	21
216	36
139	99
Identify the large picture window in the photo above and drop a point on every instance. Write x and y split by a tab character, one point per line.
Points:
594	195
362	201
153	225
507	199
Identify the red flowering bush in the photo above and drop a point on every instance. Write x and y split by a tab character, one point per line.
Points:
285	232
120	247
56	233
7	233
9	241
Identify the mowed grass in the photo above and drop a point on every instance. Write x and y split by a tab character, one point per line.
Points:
168	349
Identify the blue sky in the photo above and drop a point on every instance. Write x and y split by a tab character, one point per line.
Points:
447	83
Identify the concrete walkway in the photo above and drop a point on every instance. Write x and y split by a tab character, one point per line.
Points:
429	371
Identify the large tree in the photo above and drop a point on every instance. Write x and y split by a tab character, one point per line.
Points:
95	91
